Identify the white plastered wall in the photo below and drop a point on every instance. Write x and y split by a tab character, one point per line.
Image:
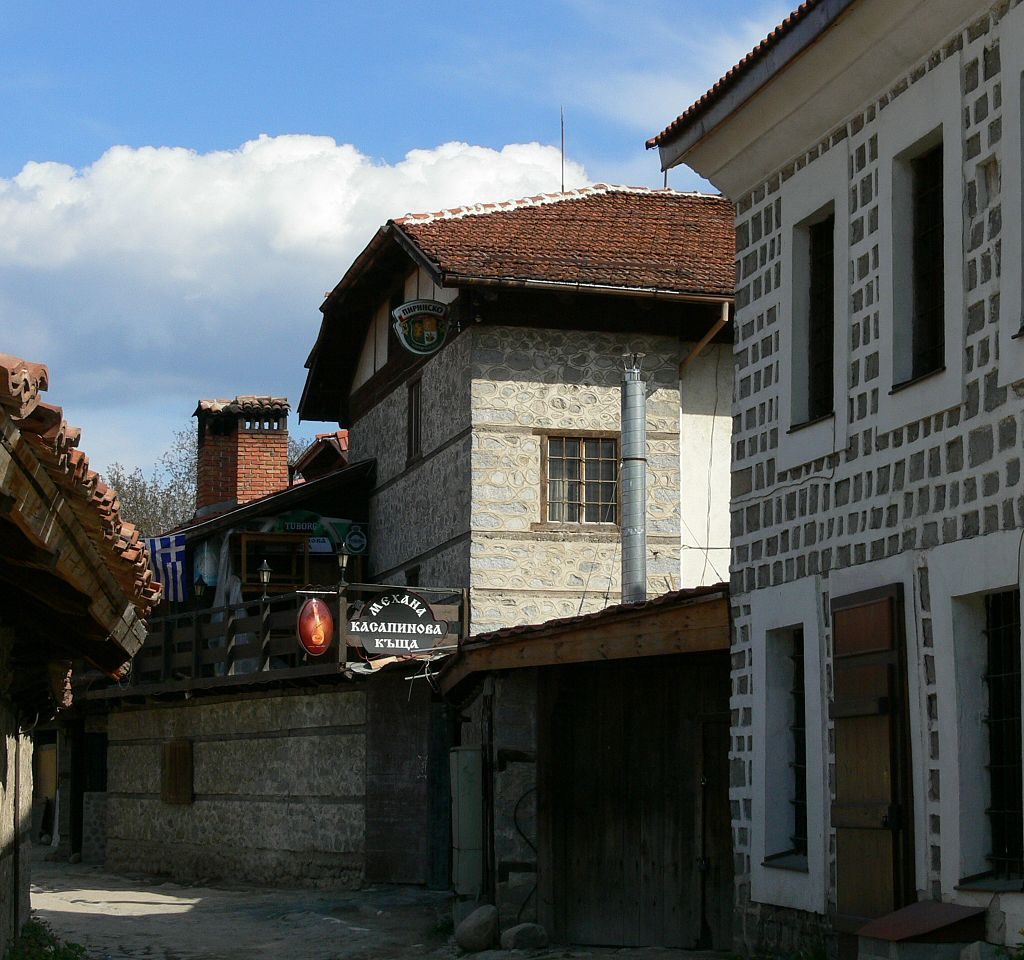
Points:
772	611
705	431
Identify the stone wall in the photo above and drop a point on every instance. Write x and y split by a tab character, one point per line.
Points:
419	512
279	784
526	384
15	806
94	827
893	492
513	704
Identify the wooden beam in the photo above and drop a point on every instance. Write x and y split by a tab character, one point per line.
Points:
697	628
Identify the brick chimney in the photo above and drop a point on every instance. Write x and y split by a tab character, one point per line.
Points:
242	451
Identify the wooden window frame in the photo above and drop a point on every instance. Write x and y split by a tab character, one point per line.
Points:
927	262
177	772
546	436
296	577
821	319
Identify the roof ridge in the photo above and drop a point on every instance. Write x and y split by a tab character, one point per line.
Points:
544	199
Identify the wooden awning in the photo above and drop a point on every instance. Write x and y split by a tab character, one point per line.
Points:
75	580
684	621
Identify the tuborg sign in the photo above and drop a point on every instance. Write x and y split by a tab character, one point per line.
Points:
397	623
421	325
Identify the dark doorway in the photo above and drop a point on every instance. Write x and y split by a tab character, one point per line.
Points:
872	812
635	837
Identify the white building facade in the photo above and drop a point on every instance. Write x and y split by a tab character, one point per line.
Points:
873	151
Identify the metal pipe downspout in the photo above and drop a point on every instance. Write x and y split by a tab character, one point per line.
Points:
633	481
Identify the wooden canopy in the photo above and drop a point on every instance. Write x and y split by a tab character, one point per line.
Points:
683	621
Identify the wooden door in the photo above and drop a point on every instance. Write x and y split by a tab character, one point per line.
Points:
631	815
872	811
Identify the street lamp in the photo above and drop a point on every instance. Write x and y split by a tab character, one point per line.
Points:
342	565
264	571
200	586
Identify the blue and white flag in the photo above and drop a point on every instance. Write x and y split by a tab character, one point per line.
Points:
168	555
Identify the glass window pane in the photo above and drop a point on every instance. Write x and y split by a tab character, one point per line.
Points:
572	447
556	446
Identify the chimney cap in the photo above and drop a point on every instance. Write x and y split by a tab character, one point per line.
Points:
245	404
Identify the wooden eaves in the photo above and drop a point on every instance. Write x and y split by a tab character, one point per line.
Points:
683	621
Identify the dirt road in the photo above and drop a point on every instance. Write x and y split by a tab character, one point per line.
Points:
123	918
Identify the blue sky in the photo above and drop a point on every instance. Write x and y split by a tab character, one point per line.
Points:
180	183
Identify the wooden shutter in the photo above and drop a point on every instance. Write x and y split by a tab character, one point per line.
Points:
176	772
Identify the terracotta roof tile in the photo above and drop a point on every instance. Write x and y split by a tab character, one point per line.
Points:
723	85
244	404
604	236
94	504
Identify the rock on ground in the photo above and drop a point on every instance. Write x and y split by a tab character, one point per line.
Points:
479	930
524	936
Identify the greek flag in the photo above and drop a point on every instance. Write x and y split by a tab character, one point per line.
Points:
168	555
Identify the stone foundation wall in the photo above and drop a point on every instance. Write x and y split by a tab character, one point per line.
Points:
94	828
279	786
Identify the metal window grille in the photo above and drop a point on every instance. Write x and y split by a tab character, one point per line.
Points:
798	731
821	318
1005	811
414	421
582	480
928	333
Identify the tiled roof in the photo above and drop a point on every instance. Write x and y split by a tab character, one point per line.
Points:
723	85
94	504
670	599
603	236
245	404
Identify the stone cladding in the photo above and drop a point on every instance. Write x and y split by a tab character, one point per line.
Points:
951	475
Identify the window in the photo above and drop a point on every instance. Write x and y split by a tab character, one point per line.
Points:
581	479
414	421
788	719
928	310
1002	721
821	317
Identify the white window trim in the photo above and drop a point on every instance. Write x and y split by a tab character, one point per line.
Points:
790	605
1011	296
822	183
957	572
930	104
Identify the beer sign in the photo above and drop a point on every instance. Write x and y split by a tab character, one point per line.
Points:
315	627
397	623
421	325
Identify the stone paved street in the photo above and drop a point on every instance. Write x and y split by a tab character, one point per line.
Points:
145	919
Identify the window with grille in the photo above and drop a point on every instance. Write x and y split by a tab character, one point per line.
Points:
821	317
1002	678
798	733
928	310
581	479
786	758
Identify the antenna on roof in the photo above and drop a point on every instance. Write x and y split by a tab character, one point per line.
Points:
561	114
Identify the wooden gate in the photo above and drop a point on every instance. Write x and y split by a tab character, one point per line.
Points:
634	817
872	812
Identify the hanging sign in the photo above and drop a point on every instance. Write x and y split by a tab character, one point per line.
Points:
397	623
421	325
315	627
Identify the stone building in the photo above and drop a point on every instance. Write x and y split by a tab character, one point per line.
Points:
480	444
75	584
872	149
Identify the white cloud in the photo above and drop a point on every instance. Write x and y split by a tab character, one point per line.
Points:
156	276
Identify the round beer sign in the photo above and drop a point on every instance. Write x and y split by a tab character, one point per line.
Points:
421	325
315	627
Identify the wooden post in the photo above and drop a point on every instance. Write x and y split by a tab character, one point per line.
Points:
264	634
